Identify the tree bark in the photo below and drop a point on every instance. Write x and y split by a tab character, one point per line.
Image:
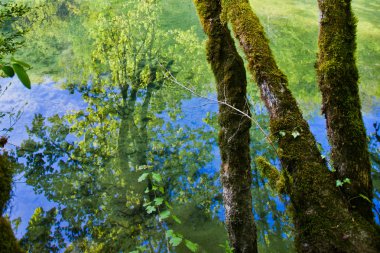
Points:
8	241
338	82
229	71
323	222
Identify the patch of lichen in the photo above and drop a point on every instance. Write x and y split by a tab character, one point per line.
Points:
6	173
8	242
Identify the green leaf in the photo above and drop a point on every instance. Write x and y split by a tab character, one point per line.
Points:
347	180
8	71
176	219
156	177
150	209
22	75
175	241
168	205
158	201
169	233
24	64
164	215
339	183
295	134
143	177
282	133
193	247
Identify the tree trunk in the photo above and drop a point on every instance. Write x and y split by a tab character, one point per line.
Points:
229	71
338	82
8	241
323	222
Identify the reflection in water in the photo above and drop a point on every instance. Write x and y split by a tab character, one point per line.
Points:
122	173
126	170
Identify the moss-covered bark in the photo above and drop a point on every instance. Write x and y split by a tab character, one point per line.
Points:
338	82
322	219
229	71
8	241
5	182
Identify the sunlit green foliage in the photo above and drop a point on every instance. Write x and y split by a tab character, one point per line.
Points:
90	161
39	236
10	37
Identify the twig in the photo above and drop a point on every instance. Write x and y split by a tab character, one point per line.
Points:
169	75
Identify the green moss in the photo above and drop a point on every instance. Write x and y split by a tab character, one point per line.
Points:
234	138
276	178
338	82
323	222
5	181
8	242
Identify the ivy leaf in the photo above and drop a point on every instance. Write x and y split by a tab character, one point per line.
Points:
157	177
295	134
339	183
158	201
169	233
193	247
175	241
8	71
150	209
22	75
347	180
164	215
143	177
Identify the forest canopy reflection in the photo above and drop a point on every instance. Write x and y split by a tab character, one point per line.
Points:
91	162
126	173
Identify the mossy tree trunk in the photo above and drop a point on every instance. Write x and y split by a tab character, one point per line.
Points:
229	71
322	217
8	241
338	82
